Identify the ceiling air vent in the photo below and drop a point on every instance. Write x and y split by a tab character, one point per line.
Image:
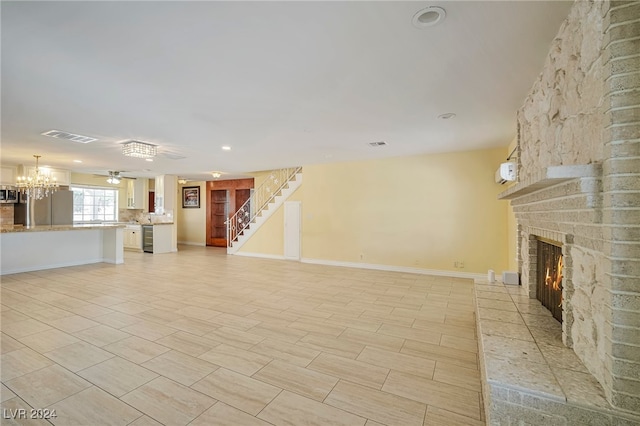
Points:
69	136
377	144
171	155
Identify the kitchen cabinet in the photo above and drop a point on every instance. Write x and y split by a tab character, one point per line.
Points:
166	189
8	175
136	194
132	237
63	177
158	238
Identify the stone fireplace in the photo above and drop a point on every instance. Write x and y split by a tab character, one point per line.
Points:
578	153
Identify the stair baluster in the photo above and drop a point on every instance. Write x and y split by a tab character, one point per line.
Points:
260	198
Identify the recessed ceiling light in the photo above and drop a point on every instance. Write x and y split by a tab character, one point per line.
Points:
216	175
226	148
77	161
149	160
428	17
446	116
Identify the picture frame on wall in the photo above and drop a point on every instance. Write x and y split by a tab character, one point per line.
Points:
191	197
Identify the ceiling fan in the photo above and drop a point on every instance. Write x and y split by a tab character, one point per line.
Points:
115	177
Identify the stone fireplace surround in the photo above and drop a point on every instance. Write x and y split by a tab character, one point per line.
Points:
578	153
530	372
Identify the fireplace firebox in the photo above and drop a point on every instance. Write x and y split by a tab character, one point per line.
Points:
549	277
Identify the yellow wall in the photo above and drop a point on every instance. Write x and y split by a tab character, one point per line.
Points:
422	211
269	238
192	222
512	226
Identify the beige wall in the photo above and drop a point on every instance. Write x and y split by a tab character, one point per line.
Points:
512	225
192	222
422	211
269	239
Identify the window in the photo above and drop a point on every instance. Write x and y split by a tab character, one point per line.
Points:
94	204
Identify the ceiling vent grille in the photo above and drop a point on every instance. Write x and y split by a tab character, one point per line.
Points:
171	155
377	144
69	136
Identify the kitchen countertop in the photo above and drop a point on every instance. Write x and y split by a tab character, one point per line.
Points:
46	228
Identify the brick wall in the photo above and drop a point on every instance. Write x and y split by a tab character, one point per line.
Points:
621	201
585	109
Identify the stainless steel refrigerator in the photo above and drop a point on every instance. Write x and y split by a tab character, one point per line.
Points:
56	209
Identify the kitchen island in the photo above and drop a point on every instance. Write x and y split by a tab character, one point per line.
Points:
24	249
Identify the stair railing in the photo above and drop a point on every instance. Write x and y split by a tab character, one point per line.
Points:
259	199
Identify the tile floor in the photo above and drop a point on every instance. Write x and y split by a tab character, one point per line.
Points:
201	338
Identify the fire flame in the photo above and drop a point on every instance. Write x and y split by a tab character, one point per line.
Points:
555	283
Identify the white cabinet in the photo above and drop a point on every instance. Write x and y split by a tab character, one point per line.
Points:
132	237
162	239
8	175
63	177
136	194
159	195
166	188
130	194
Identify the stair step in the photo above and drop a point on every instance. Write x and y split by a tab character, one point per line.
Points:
265	211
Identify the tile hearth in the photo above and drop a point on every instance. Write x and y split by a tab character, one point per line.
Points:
528	373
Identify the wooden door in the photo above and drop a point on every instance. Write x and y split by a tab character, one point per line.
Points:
223	199
152	201
219	214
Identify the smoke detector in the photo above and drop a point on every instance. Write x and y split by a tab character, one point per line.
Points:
377	144
428	17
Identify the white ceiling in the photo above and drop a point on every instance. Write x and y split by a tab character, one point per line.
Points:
282	83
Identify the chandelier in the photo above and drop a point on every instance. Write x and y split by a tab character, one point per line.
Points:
139	149
38	184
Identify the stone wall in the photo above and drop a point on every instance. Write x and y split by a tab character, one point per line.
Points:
585	109
562	120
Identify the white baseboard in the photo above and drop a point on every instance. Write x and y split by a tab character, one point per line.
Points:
260	255
393	268
56	265
189	243
372	266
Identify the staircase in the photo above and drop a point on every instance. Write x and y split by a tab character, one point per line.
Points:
263	201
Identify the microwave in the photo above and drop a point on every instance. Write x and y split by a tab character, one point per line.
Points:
8	195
